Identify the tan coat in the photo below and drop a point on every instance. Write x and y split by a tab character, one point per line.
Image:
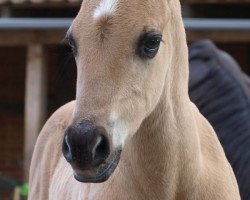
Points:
171	152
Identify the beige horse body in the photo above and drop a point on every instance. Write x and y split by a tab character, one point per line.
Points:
169	151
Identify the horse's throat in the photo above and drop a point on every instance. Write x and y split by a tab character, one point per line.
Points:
155	156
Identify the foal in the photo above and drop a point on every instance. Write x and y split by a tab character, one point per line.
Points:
132	133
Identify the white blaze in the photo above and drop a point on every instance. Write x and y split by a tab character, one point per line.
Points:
120	130
105	7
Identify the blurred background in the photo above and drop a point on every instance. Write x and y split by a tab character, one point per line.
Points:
38	73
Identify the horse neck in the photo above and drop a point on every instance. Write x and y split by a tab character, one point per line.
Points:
165	152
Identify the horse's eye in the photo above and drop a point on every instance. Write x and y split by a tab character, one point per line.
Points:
149	44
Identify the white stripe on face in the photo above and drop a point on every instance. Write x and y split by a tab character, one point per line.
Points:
120	130
105	7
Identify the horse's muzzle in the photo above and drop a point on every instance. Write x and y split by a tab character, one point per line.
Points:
87	148
103	172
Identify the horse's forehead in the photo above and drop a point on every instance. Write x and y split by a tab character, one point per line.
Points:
109	21
94	10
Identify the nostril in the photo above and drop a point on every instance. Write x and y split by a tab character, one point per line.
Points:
101	149
66	149
85	146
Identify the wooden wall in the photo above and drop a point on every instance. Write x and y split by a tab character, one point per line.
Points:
11	110
11	114
61	82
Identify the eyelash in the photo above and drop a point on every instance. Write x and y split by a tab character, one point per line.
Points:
144	50
71	42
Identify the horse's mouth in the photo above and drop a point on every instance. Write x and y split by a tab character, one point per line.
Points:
103	173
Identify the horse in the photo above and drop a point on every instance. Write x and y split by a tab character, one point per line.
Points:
132	133
220	90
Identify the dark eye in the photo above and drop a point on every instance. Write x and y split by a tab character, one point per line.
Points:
149	44
72	43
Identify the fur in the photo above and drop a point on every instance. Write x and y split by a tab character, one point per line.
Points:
171	152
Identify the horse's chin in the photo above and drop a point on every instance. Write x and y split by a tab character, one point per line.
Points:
103	173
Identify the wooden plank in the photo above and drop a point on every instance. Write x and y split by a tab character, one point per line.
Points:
42	4
215	2
219	36
3	2
16	195
27	37
35	99
5	10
